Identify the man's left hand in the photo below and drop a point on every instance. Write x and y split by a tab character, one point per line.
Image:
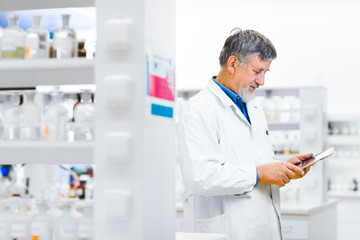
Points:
299	158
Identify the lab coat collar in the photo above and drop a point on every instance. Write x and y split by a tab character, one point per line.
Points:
227	102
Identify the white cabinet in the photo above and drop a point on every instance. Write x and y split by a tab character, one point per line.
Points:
141	189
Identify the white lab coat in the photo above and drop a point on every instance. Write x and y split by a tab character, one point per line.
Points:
219	152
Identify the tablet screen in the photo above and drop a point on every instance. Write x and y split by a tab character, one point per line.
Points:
318	157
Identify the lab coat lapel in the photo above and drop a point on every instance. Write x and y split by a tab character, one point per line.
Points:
214	88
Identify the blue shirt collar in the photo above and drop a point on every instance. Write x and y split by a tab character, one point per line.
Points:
233	96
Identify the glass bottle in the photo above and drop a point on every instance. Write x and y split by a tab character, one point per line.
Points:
41	225
37	40
84	118
11	117
66	224
4	219
1	36
13	41
55	118
85	224
20	225
30	118
65	45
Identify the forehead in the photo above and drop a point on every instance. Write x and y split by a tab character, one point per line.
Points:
256	62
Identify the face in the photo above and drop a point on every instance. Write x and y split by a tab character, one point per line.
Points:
250	76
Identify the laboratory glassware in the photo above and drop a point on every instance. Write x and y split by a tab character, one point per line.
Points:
66	224
20	225
11	117
37	40
85	224
5	219
41	224
29	118
1	35
65	45
13	40
84	117
55	118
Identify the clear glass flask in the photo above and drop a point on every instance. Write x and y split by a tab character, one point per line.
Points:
13	41
37	40
56	118
65	45
29	118
84	118
41	224
11	117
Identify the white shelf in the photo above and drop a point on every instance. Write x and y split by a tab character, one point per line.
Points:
273	125
19	73
46	152
14	5
344	194
343	140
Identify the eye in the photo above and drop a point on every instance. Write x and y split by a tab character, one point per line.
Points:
256	72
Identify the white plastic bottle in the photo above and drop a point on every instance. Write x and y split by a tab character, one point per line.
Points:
13	41
85	225
84	118
29	118
66	224
20	225
5	219
37	40
55	118
41	224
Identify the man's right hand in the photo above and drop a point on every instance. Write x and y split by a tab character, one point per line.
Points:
278	173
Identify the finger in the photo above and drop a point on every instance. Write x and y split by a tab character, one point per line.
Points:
306	170
295	169
286	179
304	156
291	174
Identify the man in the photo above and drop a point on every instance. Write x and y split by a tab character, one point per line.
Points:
231	181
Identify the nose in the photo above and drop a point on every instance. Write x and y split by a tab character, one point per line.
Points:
260	79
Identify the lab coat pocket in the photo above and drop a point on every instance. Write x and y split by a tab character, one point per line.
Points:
216	224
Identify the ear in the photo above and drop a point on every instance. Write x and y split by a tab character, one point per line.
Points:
231	63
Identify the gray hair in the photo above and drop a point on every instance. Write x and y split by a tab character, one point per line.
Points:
247	43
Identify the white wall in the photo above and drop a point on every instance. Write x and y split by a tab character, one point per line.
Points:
318	43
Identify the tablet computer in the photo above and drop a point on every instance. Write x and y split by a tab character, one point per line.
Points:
316	158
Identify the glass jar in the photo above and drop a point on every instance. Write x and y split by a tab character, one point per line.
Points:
84	114
13	41
65	45
37	40
55	118
30	118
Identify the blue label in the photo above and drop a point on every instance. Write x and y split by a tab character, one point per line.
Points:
162	111
267	132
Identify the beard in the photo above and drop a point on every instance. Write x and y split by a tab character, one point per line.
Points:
245	94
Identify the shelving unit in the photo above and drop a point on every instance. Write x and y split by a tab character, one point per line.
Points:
134	151
17	5
20	73
46	152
